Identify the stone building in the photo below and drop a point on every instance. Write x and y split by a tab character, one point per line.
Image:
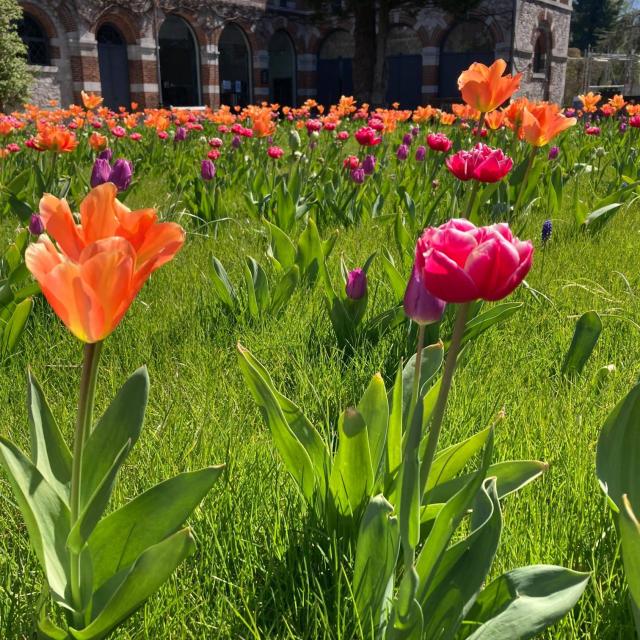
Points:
208	52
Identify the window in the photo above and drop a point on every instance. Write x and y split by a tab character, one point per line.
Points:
35	39
540	54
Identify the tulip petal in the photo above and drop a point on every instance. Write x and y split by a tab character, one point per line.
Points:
444	279
98	213
492	265
160	245
60	225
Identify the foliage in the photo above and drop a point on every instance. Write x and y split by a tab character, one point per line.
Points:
14	72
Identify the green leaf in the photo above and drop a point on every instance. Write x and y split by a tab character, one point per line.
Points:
96	504
155	514
252	300
222	285
431	362
149	572
45	514
303	451
14	328
397	282
394	439
49	451
374	409
19	182
260	285
49	631
376	556
283	250
597	219
310	257
483	321
120	424
630	543
585	337
351	480
523	602
284	289
618	452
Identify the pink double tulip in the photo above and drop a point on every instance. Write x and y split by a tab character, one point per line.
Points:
482	163
367	137
459	262
439	142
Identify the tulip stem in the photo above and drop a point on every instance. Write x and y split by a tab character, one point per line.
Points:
83	429
471	199
417	372
445	387
525	179
480	124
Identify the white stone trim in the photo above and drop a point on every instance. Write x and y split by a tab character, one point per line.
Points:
308	93
430	56
138	52
211	89
307	62
87	86
261	91
144	87
261	59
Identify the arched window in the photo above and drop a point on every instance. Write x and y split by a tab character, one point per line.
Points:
404	60
541	53
113	63
35	39
282	69
335	67
235	66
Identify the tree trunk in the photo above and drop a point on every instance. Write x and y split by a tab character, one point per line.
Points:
364	14
381	71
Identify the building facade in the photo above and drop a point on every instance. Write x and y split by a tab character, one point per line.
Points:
209	52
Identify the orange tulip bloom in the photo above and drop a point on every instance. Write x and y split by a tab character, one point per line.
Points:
56	139
99	266
97	141
485	88
465	112
447	118
543	122
617	102
494	119
424	114
589	101
90	100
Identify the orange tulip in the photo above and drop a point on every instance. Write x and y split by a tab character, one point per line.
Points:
589	101
99	266
485	88
543	122
465	112
424	114
617	102
97	141
447	118
494	119
58	139
90	100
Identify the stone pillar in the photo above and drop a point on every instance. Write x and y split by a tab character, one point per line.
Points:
85	72
210	75
430	74
307	77
143	71
260	76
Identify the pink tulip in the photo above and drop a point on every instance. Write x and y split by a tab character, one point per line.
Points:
439	142
459	262
482	163
367	137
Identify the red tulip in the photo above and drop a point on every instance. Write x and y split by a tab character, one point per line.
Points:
367	137
482	163
439	142
275	152
459	262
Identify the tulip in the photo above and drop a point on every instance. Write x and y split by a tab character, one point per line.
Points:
369	164
459	262
357	175
439	142
235	143
96	269
367	137
207	170
121	174
634	121
342	135
554	152
543	122
482	163
118	132
36	226
100	172
407	139
421	153
180	135
419	305
623	127
136	137
351	162
107	154
356	285
403	152
485	88
13	147
294	139
592	131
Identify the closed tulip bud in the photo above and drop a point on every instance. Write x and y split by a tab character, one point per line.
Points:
107	154
121	174
294	139
419	304
235	143
421	153
369	164
407	139
356	286
181	134
36	226
207	170
554	152
100	172
357	175
403	152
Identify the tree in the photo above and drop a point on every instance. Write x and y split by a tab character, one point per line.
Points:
591	20
14	72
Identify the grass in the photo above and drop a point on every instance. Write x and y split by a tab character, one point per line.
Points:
261	569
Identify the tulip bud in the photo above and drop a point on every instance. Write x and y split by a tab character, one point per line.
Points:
180	135
100	172
36	226
357	175
356	286
407	139
207	170
369	164
419	304
107	154
554	152
235	143
294	139
403	152
121	174
421	153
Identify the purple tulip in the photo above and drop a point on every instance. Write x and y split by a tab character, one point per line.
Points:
356	286
369	164
421	153
235	143
623	127
403	152
100	172
357	175
407	139
207	170
419	304
121	174
415	131
180	135
106	154
554	152
36	226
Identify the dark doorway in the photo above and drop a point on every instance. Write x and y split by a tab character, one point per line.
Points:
404	83
114	67
235	67
178	64
335	68
282	69
467	42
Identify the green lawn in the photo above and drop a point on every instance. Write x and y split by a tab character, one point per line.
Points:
261	569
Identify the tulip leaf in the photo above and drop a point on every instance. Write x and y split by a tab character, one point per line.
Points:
252	300
49	452
431	362
374	409
585	337
222	285
394	439
464	567
310	256
351	479
155	514
116	602
396	280
630	542
284	289
259	285
618	452
598	218
120	424
302	449
487	319
45	514
49	631
523	602
15	326
96	504
376	556
406	620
